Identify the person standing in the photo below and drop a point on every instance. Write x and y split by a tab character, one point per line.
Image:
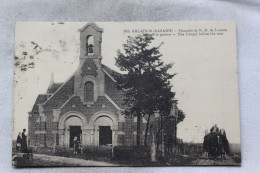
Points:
206	143
75	145
18	142
224	146
24	142
213	141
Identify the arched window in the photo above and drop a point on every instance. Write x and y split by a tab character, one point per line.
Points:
89	91
90	45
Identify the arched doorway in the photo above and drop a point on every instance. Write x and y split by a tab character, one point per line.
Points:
104	124
71	125
105	128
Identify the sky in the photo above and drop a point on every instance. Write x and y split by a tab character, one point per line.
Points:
206	82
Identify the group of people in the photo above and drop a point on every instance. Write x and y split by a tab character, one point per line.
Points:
215	143
21	142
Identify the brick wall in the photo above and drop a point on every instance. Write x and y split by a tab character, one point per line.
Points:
121	126
89	68
120	139
32	127
128	131
75	105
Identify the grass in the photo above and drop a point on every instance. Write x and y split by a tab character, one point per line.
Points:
193	153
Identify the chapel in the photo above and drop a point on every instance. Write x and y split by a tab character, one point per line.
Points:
87	105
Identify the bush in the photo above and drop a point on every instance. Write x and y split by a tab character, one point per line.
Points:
191	149
134	154
62	151
100	153
41	150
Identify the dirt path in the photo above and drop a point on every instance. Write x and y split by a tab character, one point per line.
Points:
76	161
47	160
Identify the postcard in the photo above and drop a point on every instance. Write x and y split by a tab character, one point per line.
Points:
125	94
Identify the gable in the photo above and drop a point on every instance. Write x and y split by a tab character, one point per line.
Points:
75	104
40	99
93	25
113	92
60	96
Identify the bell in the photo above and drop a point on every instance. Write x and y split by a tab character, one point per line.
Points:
90	48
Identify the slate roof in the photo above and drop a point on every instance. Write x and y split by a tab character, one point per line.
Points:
59	93
109	70
62	94
54	87
40	99
113	92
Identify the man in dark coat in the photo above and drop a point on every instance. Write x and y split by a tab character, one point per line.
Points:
213	140
24	142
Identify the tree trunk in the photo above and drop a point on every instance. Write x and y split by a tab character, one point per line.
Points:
146	130
153	148
138	133
162	142
175	137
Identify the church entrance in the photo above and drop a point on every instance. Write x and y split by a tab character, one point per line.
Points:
74	131
105	135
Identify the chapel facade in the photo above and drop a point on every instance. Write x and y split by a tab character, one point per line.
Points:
87	105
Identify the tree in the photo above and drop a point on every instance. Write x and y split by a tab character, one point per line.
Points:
145	80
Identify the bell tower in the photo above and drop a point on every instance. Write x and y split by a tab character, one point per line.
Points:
89	78
90	41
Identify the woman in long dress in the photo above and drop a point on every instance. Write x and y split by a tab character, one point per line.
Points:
24	142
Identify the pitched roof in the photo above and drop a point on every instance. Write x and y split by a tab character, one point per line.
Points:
110	87
61	95
93	25
54	87
111	73
109	70
61	92
40	99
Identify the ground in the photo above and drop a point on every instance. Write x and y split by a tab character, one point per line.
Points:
215	162
47	160
42	160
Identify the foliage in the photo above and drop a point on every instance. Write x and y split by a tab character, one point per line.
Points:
100	153
132	154
146	81
181	116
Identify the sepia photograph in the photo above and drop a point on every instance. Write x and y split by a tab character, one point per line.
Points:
125	94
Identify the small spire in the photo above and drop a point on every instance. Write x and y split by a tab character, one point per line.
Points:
52	77
51	82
